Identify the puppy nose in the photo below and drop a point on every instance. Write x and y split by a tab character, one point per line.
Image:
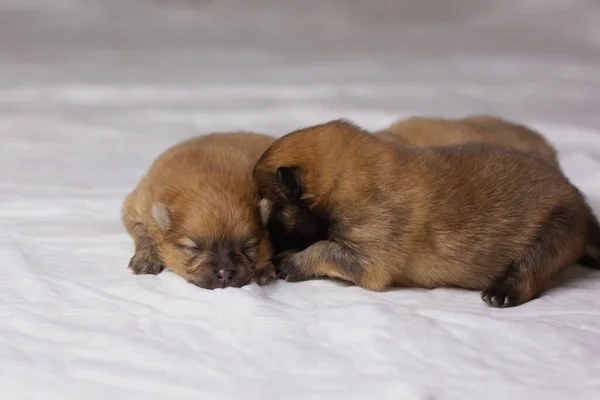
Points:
224	277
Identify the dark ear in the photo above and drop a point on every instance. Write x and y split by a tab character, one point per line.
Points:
289	178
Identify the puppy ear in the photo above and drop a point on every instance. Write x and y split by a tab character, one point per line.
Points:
160	213
266	207
289	178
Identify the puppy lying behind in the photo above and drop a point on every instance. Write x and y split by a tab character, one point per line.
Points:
473	216
196	213
423	131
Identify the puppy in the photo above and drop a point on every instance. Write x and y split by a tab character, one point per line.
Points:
423	131
473	216
196	213
292	233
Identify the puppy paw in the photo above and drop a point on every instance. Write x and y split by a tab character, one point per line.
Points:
142	264
279	257
266	274
288	269
500	296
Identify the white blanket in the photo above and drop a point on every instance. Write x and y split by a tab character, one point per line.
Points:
92	90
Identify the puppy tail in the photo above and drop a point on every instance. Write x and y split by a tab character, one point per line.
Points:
591	257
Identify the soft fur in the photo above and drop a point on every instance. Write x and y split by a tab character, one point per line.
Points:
426	131
196	213
429	131
474	216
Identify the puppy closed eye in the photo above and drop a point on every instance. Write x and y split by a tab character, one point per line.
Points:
188	244
195	256
250	248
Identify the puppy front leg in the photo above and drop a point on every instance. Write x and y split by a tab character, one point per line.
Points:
330	259
145	259
265	274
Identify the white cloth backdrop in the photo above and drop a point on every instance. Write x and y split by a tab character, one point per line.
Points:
92	90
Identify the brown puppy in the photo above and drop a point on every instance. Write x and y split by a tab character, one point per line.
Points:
196	213
473	216
291	232
426	131
423	131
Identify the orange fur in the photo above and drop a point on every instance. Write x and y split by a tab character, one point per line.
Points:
474	216
425	131
196	211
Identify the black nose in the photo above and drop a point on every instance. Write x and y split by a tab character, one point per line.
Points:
224	277
224	268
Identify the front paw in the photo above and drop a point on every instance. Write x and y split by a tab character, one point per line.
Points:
289	270
278	258
266	274
144	264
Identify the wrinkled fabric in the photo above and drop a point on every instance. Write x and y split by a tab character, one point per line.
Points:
92	91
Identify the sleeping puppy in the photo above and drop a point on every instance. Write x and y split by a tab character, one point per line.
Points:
294	234
473	216
196	213
424	131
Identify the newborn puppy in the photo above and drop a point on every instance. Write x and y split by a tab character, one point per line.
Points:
423	131
196	213
473	216
295	231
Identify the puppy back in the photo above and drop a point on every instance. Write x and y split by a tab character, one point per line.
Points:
424	131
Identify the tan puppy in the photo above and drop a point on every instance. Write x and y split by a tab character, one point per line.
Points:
473	216
423	131
294	233
426	131
196	213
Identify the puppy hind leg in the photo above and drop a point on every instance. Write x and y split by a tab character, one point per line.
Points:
504	292
556	244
